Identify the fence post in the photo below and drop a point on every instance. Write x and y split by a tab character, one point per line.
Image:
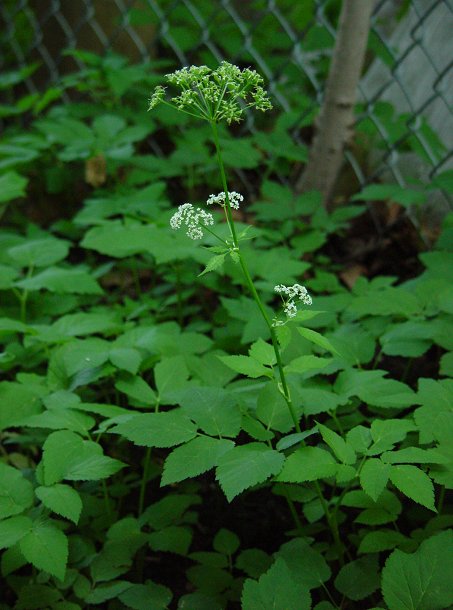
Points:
336	117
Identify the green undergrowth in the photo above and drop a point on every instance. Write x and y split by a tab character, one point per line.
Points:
140	421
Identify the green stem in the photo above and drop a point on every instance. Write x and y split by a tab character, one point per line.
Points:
249	281
108	508
145	476
332	523
224	184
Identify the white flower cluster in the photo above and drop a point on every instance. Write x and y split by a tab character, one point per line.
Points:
233	197
193	219
289	294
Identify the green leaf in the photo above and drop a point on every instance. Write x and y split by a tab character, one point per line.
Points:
213	409
194	458
17	403
308	464
253	562
62	281
38	596
172	539
359	579
246	366
317	339
214	263
12	186
304	364
13	529
392	192
277	588
414	484
137	389
46	547
246	466
307	564
126	358
226	542
61	499
343	451
67	456
387	432
147	596
373	477
16	493
103	593
421	580
272	409
158	429
170	375
40	252
381	540
263	353
372	389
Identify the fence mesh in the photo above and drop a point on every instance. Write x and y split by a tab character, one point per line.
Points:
404	106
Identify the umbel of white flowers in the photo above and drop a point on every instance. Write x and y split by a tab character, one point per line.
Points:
214	95
234	198
193	218
290	294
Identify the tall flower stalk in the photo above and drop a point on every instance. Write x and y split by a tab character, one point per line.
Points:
215	96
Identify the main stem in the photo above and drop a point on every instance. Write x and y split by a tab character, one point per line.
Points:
250	284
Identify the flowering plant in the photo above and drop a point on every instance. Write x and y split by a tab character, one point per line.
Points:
214	96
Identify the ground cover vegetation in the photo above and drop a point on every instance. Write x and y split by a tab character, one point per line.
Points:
209	406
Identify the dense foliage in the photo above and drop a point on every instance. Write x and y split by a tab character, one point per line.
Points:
149	459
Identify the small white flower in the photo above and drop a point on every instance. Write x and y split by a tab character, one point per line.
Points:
193	218
291	293
233	197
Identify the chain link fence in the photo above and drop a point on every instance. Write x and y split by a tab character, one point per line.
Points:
404	113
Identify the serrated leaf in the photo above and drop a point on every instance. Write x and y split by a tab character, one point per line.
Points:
172	539
46	547
138	389
39	252
126	358
344	452
170	375
16	493
12	186
373	477
263	352
147	596
307	564
359	579
67	456
62	281
158	429
226	542
18	402
304	364
421	580
214	410
277	588
387	432
13	529
314	337
308	464
61	499
194	458
214	263
246	366
246	466
381	540
414	484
